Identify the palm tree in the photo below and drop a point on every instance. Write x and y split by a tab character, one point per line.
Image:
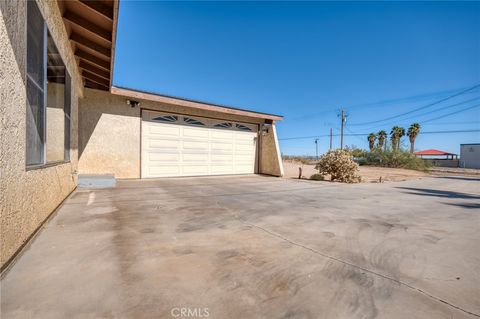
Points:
395	135
412	134
382	135
371	141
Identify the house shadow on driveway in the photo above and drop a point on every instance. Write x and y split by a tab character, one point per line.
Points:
460	178
437	193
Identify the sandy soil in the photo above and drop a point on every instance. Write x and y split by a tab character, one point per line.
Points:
369	174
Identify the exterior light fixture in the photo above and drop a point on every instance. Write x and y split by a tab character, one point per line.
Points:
133	103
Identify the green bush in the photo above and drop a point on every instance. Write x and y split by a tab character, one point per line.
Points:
339	165
317	177
361	161
396	159
356	152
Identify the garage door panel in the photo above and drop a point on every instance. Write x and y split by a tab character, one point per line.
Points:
221	169
163	129
163	157
221	157
166	170
195	169
162	144
192	158
245	137
195	132
221	134
195	145
242	158
215	146
243	147
183	147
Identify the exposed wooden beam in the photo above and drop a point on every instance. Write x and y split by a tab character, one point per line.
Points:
99	7
55	73
95	78
94	85
90	67
55	63
90	44
87	25
90	58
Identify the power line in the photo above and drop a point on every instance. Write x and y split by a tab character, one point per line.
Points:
452	113
456	123
365	134
420	108
441	109
331	109
425	113
357	137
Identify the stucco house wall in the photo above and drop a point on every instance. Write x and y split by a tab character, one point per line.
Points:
28	197
270	156
110	134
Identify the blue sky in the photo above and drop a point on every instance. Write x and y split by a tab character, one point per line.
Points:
307	60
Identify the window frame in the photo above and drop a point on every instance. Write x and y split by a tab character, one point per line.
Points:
67	96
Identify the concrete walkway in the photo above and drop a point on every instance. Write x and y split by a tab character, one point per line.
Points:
255	247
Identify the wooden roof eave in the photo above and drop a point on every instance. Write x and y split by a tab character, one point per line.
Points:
193	104
114	39
91	25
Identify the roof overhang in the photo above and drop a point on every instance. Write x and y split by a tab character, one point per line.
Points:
433	153
148	96
91	27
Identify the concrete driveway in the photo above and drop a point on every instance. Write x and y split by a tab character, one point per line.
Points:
255	247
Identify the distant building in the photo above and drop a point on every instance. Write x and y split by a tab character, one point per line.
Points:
439	158
470	155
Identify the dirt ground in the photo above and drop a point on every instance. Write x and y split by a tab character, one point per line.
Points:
369	174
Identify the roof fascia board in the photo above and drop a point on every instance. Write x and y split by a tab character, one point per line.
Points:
192	104
116	5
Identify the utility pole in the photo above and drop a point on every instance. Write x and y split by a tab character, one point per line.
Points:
344	119
316	147
331	135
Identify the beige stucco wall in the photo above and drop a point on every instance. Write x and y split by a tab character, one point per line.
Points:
27	197
109	133
270	157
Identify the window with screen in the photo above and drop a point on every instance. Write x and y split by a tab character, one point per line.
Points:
35	85
48	95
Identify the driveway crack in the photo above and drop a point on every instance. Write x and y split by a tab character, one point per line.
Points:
274	234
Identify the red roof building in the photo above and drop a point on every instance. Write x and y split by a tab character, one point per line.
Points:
437	153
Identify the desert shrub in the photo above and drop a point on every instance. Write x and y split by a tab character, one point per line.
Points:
361	161
317	177
396	159
355	151
339	165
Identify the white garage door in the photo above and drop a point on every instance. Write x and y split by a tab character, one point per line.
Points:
183	145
